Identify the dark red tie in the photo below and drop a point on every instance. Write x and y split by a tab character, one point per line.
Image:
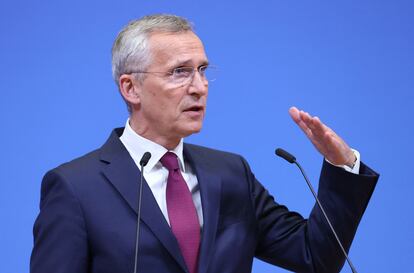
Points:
182	212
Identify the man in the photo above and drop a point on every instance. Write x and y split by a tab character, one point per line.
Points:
202	209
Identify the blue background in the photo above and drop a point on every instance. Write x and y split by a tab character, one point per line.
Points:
349	62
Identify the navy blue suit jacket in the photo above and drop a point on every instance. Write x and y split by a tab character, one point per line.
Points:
88	207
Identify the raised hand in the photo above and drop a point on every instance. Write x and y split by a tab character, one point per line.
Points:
325	140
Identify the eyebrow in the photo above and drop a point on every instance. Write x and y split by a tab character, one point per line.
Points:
187	63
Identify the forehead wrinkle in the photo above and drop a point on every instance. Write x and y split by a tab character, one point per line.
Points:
167	52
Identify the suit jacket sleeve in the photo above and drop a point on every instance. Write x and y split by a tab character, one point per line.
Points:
288	240
59	230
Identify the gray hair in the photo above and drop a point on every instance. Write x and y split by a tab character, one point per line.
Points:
130	51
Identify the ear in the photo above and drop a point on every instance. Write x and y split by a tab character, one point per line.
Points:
130	88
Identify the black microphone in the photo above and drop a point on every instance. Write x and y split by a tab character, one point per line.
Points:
291	159
143	162
285	155
145	158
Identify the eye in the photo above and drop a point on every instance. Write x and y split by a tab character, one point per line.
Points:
182	72
202	69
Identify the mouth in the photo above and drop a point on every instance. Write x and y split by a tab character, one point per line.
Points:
195	112
195	108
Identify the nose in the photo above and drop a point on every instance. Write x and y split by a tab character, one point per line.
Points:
198	85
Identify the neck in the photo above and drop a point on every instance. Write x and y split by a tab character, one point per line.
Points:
167	142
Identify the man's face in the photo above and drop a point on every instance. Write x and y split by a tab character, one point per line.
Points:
165	109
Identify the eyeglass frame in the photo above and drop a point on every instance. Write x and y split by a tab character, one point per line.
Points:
188	78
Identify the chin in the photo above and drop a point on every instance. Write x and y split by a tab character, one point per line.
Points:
191	130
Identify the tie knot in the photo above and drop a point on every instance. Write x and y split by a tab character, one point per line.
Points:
170	161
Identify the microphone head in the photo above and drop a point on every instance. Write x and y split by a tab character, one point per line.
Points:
145	158
285	155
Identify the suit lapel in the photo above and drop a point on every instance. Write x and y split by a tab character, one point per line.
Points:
210	189
124	176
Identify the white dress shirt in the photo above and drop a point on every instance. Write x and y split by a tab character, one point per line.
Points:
355	168
156	174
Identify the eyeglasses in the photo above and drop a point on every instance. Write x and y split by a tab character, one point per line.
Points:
184	74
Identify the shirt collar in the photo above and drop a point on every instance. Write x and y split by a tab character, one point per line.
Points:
138	145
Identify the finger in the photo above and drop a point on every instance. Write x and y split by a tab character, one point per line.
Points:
308	132
308	119
317	127
318	133
312	127
311	130
294	114
304	116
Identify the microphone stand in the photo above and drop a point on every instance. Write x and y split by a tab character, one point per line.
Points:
291	159
143	162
